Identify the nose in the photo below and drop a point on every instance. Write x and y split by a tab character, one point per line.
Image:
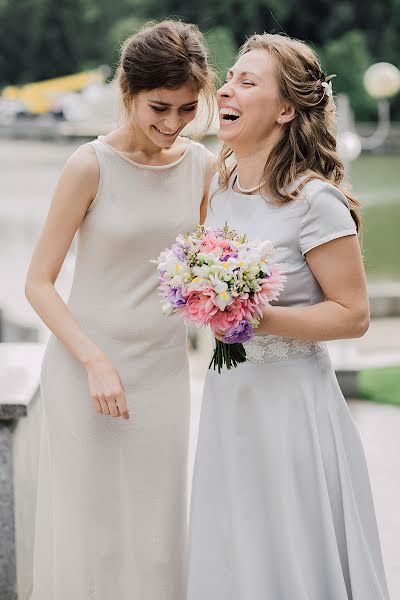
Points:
225	91
172	122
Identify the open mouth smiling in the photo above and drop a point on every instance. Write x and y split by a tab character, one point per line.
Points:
229	114
166	132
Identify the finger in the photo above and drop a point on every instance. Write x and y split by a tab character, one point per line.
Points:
219	334
97	405
113	408
122	406
104	405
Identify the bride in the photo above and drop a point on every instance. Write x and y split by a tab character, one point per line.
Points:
281	501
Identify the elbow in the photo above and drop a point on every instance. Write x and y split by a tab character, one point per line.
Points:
28	290
361	324
31	288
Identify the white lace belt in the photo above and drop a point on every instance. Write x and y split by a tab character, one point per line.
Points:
270	348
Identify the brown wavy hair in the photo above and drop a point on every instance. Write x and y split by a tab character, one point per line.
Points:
308	144
166	54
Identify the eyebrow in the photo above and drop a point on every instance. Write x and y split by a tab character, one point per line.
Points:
166	103
231	72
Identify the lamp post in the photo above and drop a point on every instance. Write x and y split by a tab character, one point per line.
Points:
382	82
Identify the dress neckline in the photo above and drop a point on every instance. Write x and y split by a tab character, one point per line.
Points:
292	185
141	165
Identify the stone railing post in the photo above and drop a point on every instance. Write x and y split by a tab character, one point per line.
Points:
19	452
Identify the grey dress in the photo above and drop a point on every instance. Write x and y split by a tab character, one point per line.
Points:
281	503
111	509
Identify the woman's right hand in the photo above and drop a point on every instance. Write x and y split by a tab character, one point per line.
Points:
106	389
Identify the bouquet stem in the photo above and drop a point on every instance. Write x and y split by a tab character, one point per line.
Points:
230	355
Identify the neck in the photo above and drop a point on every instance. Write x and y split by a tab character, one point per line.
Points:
251	162
251	167
136	141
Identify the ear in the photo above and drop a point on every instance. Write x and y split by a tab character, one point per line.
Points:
287	113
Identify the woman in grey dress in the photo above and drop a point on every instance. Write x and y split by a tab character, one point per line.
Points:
281	502
111	506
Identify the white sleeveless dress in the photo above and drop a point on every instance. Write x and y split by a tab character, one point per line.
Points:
112	494
281	504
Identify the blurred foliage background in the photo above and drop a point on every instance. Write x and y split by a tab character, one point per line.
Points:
48	38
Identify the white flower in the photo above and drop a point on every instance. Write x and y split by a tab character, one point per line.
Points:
173	266
167	309
208	257
202	272
328	88
219	272
222	300
222	296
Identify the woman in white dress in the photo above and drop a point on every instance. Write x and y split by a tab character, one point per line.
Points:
281	501
111	507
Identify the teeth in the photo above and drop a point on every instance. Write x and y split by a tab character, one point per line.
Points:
230	111
166	132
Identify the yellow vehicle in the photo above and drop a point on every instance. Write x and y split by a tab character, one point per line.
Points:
42	96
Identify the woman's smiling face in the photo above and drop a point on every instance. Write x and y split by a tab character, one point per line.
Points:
162	113
249	100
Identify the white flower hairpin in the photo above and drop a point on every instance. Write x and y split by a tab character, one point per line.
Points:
323	82
327	85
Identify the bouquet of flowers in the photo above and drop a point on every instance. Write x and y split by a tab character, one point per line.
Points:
219	278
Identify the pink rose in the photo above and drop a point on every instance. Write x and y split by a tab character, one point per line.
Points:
210	243
199	307
230	317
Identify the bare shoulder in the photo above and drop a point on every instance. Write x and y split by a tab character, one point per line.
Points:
82	170
210	170
211	167
79	180
211	159
84	161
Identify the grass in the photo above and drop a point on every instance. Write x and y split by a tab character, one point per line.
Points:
381	385
375	181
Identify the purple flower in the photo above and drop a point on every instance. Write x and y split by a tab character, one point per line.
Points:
227	256
176	298
237	335
178	251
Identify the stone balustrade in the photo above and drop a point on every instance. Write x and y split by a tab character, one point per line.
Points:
20	416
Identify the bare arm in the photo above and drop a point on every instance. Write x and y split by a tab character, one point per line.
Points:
211	162
338	268
73	195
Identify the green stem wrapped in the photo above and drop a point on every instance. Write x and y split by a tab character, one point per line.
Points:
228	355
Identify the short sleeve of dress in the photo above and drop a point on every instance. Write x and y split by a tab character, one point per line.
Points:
326	216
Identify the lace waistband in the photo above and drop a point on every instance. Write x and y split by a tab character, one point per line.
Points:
270	348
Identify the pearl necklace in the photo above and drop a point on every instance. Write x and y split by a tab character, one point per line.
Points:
248	190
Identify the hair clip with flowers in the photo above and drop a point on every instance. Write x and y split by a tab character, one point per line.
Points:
324	82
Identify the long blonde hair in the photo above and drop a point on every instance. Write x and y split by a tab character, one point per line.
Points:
308	144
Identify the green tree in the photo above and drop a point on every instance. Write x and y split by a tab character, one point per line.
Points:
16	40
222	49
57	46
119	32
349	57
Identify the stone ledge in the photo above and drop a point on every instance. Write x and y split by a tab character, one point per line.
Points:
19	377
384	299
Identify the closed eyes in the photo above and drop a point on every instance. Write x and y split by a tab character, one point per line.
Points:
163	109
245	82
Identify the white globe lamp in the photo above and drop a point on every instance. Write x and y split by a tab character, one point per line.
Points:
382	80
